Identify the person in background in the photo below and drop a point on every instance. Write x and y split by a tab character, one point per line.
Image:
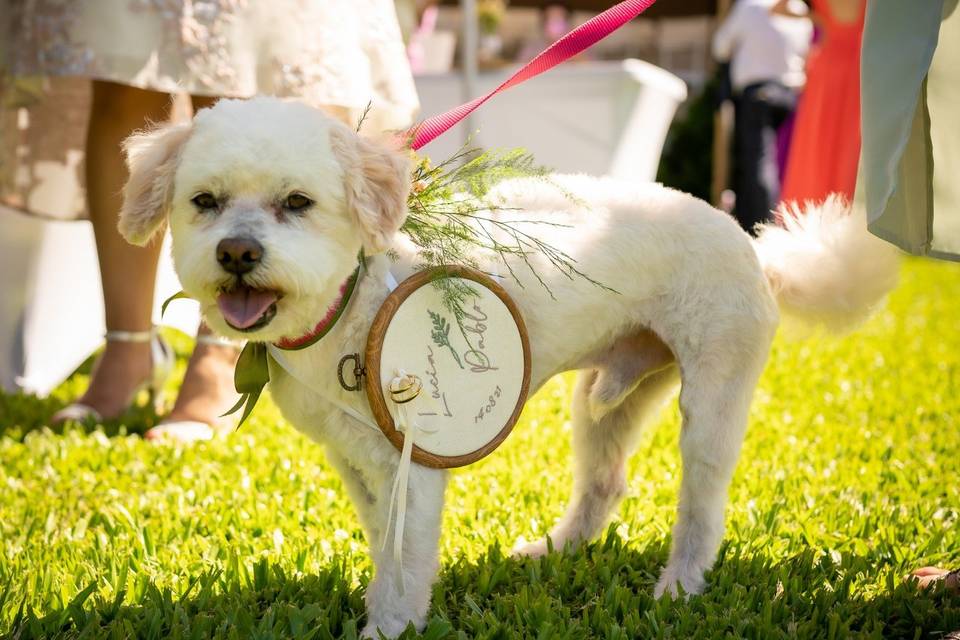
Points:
765	47
81	76
910	157
555	22
424	27
826	135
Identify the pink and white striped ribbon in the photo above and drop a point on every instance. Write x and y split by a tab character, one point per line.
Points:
579	39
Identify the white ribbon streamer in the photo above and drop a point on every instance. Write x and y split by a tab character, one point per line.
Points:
398	495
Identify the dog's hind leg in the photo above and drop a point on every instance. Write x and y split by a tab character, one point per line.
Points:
601	447
717	386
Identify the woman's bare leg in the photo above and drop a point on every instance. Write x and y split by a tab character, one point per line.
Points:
929	576
128	273
207	390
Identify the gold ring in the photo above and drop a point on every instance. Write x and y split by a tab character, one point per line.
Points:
405	389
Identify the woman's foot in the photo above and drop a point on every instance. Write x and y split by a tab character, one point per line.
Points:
124	367
928	576
206	393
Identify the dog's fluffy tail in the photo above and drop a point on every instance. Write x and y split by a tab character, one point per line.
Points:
825	268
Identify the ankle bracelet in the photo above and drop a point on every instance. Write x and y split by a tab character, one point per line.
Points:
116	335
219	341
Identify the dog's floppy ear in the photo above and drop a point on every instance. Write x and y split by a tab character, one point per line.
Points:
152	158
377	183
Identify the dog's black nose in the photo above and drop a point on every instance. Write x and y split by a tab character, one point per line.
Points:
239	255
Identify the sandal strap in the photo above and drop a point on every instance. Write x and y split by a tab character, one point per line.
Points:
215	340
116	335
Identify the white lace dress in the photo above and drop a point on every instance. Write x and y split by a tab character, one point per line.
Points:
340	54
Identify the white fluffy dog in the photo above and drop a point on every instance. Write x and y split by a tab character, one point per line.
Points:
270	202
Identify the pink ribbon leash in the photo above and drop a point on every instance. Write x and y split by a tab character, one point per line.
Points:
579	39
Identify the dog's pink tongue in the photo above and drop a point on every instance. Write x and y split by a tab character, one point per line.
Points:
243	306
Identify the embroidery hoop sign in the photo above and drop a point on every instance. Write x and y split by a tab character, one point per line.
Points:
475	373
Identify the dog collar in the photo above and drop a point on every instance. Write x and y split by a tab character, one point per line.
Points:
328	321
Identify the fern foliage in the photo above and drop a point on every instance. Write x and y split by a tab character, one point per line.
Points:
452	221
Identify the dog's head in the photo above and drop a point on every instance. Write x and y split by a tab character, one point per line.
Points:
269	203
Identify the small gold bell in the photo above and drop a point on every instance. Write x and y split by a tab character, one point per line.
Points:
405	388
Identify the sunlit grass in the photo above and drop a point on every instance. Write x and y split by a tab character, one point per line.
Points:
848	479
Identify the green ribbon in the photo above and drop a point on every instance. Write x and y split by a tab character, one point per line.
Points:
179	295
250	376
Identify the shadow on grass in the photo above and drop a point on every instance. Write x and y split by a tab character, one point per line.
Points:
21	413
601	591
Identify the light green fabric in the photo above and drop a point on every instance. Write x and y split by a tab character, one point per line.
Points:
909	176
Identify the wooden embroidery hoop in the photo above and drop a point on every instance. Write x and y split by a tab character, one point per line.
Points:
374	348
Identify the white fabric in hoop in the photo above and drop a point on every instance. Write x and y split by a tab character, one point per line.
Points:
471	364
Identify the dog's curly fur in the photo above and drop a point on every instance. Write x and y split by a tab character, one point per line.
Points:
693	305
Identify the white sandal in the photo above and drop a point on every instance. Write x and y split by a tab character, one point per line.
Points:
161	366
186	431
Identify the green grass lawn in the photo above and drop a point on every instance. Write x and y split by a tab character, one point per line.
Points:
850	477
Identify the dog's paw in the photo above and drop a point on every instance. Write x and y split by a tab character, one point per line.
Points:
375	631
535	549
672	580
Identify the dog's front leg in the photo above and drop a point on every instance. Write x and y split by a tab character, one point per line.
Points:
391	607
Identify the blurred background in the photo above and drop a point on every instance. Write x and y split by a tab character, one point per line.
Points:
646	103
613	104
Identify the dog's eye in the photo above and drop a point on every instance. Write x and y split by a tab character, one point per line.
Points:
204	201
297	202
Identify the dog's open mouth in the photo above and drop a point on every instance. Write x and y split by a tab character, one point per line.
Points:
248	309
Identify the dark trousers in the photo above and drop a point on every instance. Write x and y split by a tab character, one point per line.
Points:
760	110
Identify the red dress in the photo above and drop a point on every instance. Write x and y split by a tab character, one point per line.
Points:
825	147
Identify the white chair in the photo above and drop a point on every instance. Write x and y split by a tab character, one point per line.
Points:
601	118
